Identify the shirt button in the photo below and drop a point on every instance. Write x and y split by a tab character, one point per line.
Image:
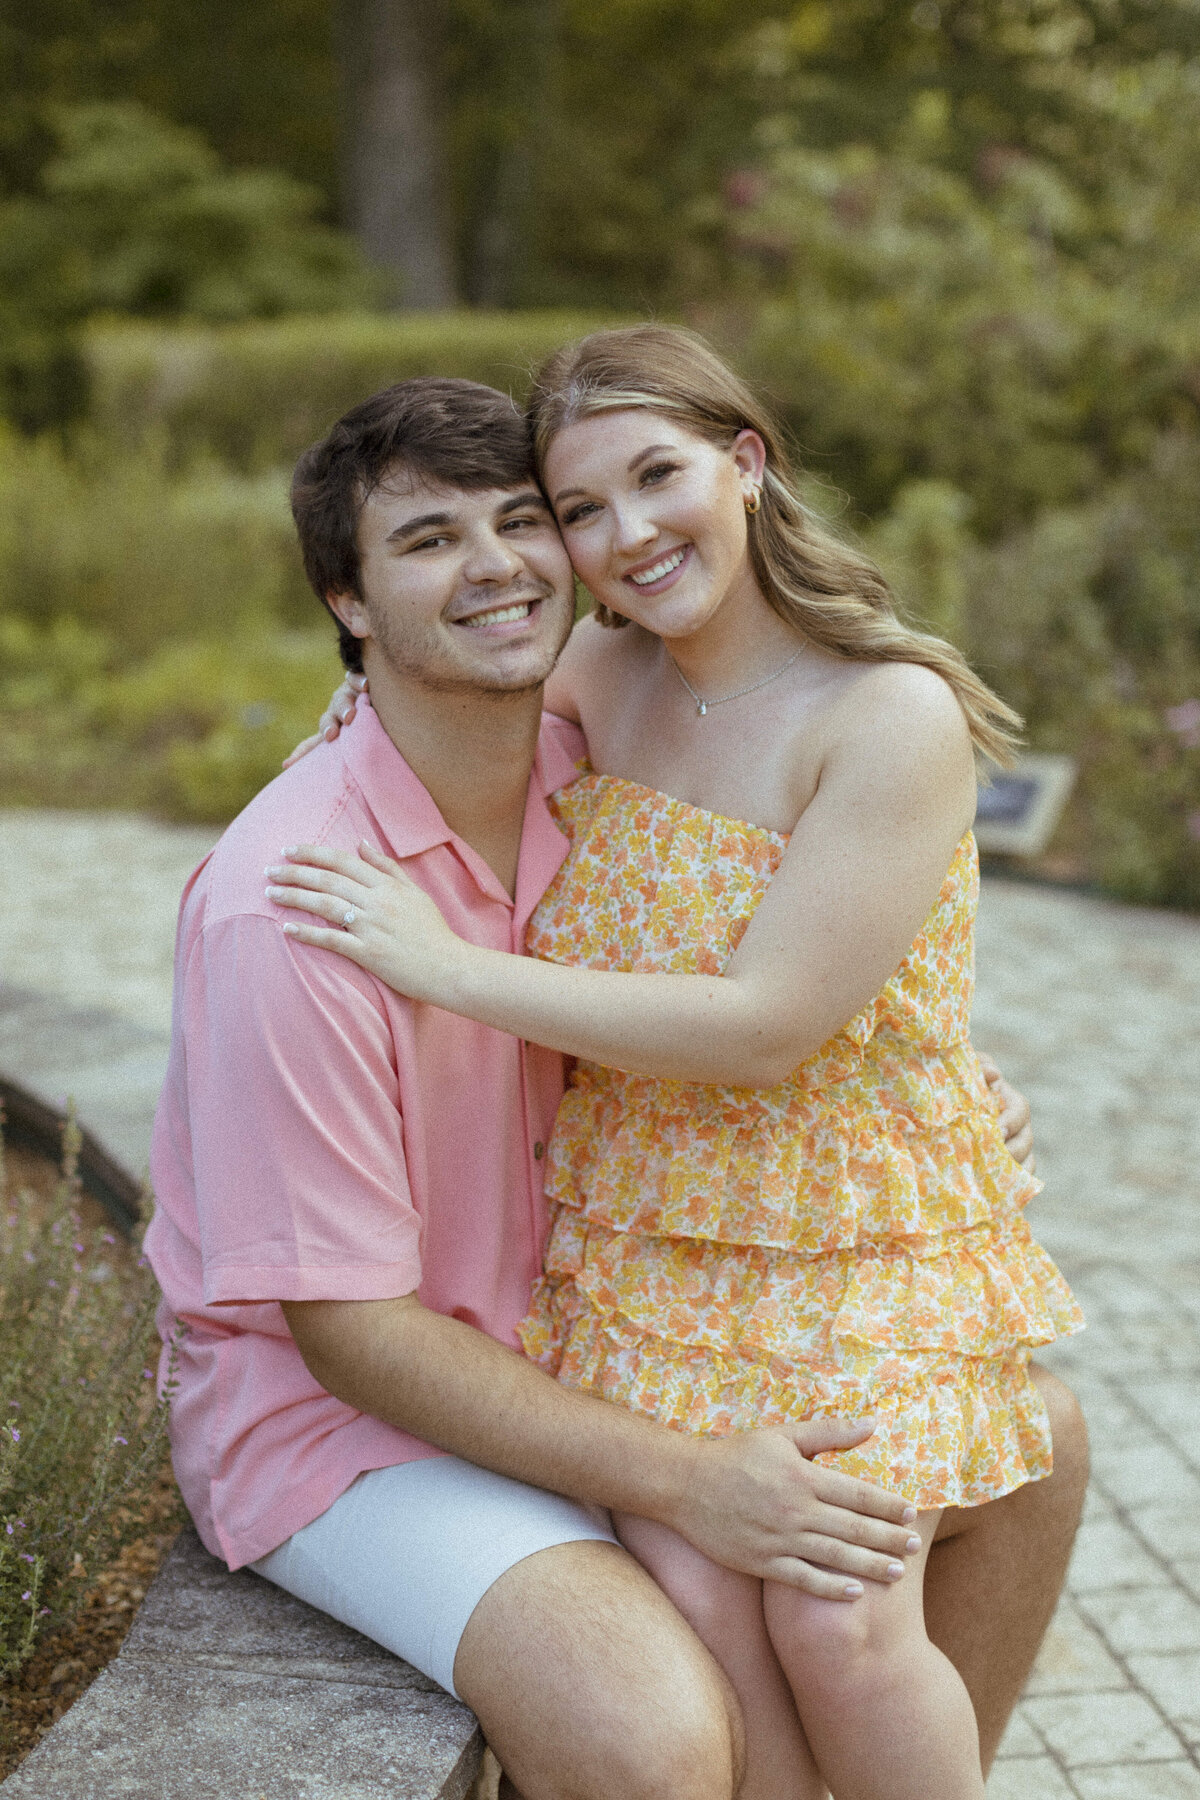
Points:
539	1150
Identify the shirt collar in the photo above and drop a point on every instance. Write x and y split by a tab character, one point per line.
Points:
408	817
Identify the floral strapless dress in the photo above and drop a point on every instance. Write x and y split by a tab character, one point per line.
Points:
851	1241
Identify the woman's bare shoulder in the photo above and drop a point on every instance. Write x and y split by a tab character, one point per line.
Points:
886	697
591	657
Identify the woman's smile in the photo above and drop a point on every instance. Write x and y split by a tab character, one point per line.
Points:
656	577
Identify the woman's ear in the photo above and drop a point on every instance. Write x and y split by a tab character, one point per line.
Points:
349	610
750	458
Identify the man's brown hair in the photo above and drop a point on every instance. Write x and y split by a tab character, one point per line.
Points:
435	428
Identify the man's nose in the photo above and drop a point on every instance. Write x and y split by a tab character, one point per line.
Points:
492	558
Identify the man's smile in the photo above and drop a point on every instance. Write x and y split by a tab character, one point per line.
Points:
511	614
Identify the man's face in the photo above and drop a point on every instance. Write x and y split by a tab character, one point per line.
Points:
460	590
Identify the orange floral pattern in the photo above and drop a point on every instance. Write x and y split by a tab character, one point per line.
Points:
849	1242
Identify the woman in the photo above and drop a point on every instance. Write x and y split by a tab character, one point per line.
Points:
781	1188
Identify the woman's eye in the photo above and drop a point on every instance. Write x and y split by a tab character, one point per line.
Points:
575	514
659	471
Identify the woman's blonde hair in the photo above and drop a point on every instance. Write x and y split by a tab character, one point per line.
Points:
823	587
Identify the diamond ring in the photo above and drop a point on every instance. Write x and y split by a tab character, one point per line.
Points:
349	916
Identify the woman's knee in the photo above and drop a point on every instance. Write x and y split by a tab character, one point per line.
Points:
826	1639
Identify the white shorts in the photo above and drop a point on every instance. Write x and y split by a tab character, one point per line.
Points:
406	1554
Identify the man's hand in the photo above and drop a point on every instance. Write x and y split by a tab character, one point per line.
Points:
756	1503
1016	1121
753	1501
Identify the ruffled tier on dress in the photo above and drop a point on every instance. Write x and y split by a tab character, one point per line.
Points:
849	1242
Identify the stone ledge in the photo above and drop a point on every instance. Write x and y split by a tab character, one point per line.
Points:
229	1689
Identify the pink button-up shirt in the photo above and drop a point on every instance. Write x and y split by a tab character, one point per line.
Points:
320	1138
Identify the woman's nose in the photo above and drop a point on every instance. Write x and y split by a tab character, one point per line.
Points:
632	528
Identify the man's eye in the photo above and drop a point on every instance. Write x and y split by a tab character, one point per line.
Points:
429	543
522	524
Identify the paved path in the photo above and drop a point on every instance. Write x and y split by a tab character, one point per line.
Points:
1093	1008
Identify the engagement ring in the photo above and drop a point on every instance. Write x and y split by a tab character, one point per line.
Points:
350	915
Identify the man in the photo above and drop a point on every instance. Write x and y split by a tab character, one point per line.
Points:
349	1208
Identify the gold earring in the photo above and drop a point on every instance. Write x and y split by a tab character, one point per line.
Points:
754	500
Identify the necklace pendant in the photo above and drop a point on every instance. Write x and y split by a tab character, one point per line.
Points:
701	709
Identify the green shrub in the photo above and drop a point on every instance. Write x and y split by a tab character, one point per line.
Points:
191	731
256	394
124	544
82	1432
137	215
217	717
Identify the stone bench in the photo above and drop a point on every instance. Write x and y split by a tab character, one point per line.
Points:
229	1689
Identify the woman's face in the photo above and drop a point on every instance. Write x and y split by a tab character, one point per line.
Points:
654	518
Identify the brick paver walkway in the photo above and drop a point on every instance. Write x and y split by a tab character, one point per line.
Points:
1093	1008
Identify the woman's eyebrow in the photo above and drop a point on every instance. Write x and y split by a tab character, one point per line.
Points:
654	450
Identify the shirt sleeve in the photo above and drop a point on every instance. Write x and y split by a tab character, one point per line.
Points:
297	1135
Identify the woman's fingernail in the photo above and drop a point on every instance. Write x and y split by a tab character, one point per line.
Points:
293	850
913	1545
274	893
895	1571
853	1590
290	930
273	872
909	1515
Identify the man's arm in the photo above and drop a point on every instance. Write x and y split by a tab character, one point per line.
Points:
752	1501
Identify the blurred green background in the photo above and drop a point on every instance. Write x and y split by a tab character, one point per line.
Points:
959	244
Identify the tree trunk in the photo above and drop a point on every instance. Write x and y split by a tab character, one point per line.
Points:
397	197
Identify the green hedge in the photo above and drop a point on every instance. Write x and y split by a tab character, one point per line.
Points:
256	394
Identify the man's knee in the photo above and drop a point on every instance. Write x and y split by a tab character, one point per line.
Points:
679	1744
588	1683
1069	1431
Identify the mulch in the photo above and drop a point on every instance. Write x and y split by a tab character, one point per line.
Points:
67	1663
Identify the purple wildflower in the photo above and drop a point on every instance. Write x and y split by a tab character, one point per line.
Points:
120	1440
27	1595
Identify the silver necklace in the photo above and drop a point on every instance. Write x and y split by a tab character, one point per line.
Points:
702	706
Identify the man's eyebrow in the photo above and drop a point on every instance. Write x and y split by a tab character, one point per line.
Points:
654	450
422	523
532	497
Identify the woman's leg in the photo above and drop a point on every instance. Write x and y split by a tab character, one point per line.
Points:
725	1611
886	1714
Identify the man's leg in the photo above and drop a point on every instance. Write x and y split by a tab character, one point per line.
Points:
995	1572
588	1683
589	1686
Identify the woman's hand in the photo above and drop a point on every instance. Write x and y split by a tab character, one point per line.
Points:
378	916
339	712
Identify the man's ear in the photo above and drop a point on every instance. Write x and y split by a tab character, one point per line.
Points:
350	611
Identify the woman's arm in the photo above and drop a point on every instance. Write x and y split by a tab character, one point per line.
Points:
863	867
